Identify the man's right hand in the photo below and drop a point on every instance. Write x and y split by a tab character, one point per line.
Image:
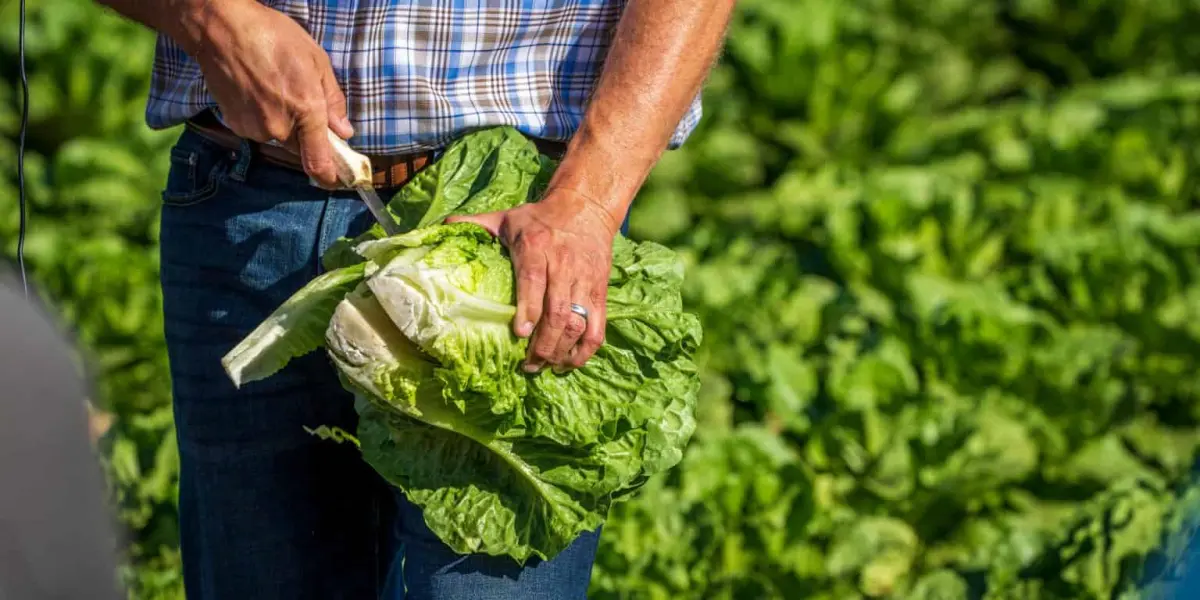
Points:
271	80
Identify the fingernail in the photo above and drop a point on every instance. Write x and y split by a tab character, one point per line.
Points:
532	368
525	329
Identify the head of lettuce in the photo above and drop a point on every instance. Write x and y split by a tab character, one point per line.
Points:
418	326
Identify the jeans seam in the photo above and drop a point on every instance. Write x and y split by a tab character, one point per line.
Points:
322	235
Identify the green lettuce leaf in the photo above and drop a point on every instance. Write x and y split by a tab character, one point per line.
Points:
294	329
478	494
489	170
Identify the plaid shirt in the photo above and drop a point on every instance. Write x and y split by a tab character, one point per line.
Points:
418	73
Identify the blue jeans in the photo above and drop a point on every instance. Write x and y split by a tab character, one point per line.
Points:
266	510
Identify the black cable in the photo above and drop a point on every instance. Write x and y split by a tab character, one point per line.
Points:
21	153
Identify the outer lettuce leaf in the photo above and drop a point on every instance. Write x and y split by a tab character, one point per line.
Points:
477	494
488	171
294	329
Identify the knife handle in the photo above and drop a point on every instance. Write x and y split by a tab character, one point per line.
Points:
354	169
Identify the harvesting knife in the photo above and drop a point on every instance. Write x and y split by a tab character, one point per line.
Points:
354	170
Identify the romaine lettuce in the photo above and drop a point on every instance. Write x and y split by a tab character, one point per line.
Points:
418	327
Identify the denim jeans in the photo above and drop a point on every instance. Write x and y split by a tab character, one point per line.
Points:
267	510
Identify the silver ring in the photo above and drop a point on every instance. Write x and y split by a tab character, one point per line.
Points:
579	310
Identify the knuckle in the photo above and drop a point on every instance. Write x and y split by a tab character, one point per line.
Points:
530	240
302	106
558	315
322	171
544	350
575	327
308	102
278	130
318	162
536	276
325	177
594	338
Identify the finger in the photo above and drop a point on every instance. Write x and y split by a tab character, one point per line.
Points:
575	327
285	135
529	256
335	108
280	128
489	221
531	270
556	314
316	154
593	336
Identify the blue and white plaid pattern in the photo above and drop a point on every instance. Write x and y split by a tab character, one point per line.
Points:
418	73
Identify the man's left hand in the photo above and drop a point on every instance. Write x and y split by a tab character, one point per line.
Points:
561	249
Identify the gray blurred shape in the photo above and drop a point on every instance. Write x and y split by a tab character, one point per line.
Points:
57	539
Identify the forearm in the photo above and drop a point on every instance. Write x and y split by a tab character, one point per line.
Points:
187	22
660	56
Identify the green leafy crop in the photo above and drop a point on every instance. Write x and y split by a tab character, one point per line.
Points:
948	277
418	325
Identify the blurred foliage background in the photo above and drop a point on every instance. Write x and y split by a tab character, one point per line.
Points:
946	255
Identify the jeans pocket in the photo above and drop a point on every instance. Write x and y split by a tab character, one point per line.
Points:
198	168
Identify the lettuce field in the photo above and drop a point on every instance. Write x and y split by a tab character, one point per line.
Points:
946	255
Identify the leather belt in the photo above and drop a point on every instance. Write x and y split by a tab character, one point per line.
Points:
391	171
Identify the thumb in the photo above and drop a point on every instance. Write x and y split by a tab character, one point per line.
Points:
490	221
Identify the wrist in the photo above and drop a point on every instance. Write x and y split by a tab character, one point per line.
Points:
603	171
577	202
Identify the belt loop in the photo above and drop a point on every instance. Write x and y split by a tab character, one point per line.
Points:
244	154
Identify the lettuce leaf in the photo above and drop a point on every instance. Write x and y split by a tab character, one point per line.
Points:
293	330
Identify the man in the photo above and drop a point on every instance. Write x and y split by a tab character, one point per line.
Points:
266	510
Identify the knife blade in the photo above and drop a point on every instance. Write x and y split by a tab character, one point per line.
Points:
354	171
